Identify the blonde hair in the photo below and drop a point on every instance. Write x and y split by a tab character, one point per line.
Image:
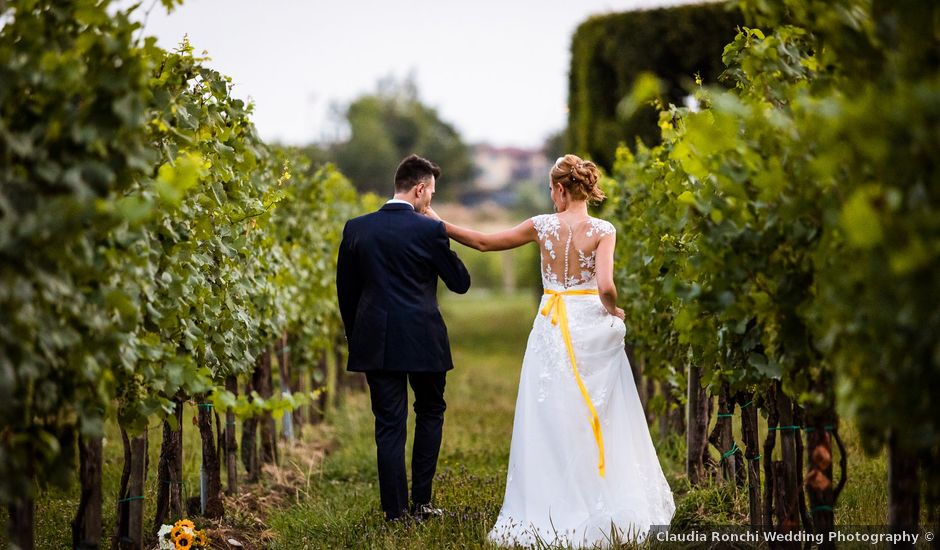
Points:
579	177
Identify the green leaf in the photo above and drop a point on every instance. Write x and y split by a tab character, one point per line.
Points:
860	220
767	368
173	180
645	88
686	197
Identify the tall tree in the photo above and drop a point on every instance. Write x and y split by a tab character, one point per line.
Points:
388	125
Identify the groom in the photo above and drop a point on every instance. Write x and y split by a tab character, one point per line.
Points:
386	280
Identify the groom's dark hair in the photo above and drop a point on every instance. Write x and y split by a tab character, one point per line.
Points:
413	170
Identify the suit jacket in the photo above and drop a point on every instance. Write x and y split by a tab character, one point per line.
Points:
386	280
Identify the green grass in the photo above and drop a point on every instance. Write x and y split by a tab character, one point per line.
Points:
339	506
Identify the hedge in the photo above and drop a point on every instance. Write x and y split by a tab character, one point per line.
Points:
607	54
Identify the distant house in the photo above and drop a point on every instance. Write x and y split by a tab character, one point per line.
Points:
500	171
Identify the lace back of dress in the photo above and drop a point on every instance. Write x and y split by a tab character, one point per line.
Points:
569	251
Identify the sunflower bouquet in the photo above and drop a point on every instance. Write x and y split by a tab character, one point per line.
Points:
182	535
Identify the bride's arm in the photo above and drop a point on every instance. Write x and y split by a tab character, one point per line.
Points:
605	275
486	242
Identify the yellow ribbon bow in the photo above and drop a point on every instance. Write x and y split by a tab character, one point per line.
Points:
556	306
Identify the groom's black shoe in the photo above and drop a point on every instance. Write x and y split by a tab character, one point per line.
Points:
401	517
422	512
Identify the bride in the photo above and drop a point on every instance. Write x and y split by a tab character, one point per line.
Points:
582	467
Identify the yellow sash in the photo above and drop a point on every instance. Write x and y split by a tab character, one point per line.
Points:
556	306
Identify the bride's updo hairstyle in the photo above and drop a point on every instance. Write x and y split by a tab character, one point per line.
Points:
579	177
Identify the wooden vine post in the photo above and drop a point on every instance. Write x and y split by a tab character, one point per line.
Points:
21	513
129	533
696	444
298	386
318	406
752	457
210	501
262	382
723	439
231	443
249	445
284	381
86	527
170	504
903	486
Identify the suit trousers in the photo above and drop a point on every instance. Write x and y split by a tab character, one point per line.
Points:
389	394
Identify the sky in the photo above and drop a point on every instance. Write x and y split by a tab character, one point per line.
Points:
496	70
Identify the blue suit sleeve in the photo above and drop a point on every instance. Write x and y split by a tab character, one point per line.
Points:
348	282
449	267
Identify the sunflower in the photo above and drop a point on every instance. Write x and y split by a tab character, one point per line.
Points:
201	539
184	541
176	532
185	523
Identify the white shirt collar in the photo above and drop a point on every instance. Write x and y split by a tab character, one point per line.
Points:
399	201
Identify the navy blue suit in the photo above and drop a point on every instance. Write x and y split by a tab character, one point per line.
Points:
386	281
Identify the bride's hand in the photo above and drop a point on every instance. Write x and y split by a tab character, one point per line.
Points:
429	212
619	313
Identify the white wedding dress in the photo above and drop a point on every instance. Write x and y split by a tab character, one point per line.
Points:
555	494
